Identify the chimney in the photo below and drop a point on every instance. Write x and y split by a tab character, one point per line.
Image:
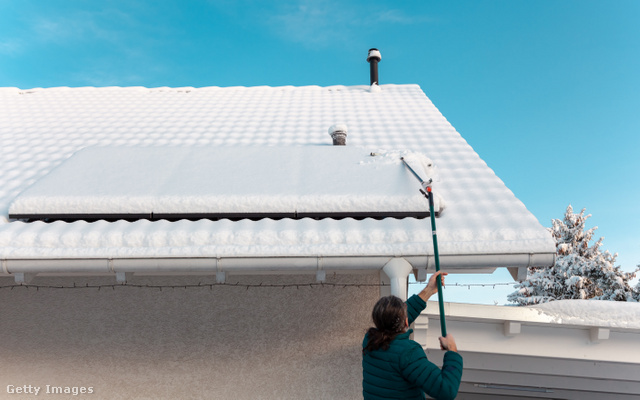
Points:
338	133
373	59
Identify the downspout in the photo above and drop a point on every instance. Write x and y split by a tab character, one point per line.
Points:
398	270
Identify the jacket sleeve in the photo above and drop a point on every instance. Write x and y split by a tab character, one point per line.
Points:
441	384
415	305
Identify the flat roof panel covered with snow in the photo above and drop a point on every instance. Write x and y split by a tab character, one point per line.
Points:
42	128
225	182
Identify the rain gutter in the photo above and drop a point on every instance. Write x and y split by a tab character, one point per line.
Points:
472	263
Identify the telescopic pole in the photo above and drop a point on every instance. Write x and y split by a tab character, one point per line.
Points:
436	255
429	195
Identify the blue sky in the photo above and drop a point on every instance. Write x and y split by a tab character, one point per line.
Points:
547	92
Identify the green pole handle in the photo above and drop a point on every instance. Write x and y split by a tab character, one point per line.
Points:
429	195
443	325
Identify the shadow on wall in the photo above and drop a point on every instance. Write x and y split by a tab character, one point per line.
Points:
223	342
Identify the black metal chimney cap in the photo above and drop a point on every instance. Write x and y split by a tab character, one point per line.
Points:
374	54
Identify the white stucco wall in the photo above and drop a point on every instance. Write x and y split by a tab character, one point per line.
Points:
220	343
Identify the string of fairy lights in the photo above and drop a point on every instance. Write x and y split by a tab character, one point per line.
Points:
246	286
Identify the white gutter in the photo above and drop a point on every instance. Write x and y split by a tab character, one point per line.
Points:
474	263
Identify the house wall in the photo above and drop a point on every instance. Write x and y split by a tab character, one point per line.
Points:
221	342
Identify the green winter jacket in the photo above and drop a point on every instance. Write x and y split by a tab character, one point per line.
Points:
403	371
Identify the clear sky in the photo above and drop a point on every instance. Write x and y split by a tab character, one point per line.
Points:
547	92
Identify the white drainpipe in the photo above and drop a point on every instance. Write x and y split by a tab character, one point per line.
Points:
398	270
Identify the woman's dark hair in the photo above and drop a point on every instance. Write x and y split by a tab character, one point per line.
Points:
389	316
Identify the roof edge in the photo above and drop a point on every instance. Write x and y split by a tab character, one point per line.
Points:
476	263
187	89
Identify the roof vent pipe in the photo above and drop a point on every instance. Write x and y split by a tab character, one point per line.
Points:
338	133
373	59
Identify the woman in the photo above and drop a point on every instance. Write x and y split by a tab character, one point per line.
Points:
396	367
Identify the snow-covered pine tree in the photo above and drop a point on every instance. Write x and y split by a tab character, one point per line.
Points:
581	271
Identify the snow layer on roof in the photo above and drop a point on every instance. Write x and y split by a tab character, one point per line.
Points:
225	238
230	180
592	313
41	128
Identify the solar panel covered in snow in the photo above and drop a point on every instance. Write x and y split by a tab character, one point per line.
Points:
227	182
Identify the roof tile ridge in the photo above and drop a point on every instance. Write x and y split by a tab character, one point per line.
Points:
202	88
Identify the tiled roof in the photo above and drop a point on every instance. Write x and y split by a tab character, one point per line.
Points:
41	128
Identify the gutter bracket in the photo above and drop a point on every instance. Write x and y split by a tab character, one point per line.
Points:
596	334
512	328
221	276
24	277
518	273
321	275
123	277
420	275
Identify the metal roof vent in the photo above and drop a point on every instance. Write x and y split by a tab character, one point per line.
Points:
373	59
338	133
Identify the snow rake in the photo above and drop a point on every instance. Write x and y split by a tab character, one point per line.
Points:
427	192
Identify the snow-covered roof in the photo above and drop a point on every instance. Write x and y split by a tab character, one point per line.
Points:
612	314
568	312
483	224
232	182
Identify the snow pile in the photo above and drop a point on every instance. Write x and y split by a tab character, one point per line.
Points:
183	180
615	314
422	164
419	162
